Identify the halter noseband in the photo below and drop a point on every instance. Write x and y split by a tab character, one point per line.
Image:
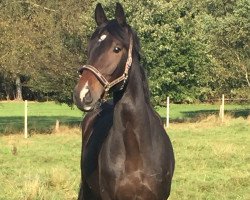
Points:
106	84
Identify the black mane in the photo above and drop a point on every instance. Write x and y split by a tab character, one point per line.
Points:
118	32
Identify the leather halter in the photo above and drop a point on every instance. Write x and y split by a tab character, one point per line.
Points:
106	84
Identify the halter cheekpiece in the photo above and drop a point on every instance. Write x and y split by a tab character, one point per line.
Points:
106	84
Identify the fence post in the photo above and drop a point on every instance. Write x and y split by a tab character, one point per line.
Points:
167	117
26	119
57	126
222	108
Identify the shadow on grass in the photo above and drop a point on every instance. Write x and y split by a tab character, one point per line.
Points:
204	113
41	124
194	116
198	114
45	124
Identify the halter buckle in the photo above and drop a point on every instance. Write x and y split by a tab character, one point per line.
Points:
129	61
107	88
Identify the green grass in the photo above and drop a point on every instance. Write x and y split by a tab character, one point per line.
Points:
212	162
44	167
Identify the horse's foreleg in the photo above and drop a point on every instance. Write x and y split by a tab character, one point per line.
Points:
85	192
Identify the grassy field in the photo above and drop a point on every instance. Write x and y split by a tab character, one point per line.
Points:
212	158
44	166
212	162
42	116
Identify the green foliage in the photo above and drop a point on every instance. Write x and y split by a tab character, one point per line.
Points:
229	45
43	43
192	50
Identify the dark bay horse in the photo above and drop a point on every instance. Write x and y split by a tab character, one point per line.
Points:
126	153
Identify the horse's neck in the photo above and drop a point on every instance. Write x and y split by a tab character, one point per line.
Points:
132	108
133	122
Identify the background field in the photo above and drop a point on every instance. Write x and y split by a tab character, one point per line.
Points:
212	158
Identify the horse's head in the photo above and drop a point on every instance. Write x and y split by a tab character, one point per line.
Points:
109	59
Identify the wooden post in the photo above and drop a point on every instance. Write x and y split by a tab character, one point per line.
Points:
57	126
167	117
220	111
222	108
26	119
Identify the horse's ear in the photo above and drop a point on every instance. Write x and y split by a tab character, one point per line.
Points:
120	15
100	16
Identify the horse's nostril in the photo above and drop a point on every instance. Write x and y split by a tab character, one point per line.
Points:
88	98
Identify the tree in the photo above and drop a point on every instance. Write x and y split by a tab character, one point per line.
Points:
229	45
42	44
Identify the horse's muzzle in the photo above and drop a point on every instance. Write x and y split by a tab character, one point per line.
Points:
83	99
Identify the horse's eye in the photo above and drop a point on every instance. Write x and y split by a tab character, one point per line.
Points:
117	49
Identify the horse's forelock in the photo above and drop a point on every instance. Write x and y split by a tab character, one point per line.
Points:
118	32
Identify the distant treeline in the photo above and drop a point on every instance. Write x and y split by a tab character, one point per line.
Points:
192	50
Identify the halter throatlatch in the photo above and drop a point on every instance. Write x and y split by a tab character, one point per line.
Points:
106	84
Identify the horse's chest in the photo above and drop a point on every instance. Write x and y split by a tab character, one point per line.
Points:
124	172
140	185
135	185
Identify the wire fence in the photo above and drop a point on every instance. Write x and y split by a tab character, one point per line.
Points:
44	117
41	117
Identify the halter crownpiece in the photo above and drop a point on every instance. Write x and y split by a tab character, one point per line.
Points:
106	84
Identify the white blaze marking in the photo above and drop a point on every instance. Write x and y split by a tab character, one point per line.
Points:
103	37
84	91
